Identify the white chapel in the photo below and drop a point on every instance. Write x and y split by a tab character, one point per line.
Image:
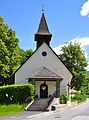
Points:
44	68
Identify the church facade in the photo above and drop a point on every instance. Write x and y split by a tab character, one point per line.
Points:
44	68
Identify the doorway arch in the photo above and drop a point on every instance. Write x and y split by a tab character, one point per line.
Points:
44	90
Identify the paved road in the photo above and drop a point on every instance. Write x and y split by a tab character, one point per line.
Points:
80	112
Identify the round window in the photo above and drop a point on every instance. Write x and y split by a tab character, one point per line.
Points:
44	53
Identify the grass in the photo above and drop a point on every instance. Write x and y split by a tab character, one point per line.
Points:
10	109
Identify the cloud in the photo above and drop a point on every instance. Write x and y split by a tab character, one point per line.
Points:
82	41
85	9
58	49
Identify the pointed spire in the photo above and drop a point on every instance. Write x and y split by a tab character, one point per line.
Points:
43	34
43	27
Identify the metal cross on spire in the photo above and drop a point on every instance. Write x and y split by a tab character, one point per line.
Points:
42	6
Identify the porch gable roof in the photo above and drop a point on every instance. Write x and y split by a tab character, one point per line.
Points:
44	73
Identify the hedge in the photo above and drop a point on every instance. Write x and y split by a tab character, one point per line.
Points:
11	94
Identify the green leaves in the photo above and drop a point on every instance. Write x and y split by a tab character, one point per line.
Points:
9	52
74	58
16	93
25	54
1	19
11	56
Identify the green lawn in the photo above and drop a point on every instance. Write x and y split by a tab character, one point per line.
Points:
10	109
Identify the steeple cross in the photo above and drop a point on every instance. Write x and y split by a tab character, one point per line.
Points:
42	6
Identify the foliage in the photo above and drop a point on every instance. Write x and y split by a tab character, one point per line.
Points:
9	53
16	93
79	96
85	87
63	97
25	54
74	58
11	109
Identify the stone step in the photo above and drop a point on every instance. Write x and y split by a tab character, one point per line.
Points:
39	105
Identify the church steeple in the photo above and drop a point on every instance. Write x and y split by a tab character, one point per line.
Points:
43	34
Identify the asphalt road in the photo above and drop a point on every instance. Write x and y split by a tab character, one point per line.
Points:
80	112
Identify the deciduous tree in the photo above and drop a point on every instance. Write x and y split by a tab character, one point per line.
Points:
9	53
25	54
74	58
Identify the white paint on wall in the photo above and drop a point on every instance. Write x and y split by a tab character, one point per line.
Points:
37	61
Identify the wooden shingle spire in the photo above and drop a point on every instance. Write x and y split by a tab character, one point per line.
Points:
43	34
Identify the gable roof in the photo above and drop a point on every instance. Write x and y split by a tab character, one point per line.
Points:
53	52
44	73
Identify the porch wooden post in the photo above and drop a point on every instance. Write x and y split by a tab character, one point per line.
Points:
34	83
57	89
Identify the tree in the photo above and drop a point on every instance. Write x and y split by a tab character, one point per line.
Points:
25	54
74	58
9	53
85	87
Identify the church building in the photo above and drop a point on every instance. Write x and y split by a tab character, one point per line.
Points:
44	68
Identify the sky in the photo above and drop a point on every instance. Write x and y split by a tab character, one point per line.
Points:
68	20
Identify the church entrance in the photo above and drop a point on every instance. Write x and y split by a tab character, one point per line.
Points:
44	90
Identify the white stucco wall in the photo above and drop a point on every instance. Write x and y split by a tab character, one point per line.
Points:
37	61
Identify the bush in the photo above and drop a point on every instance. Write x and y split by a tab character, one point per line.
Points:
79	97
63	97
16	93
85	90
